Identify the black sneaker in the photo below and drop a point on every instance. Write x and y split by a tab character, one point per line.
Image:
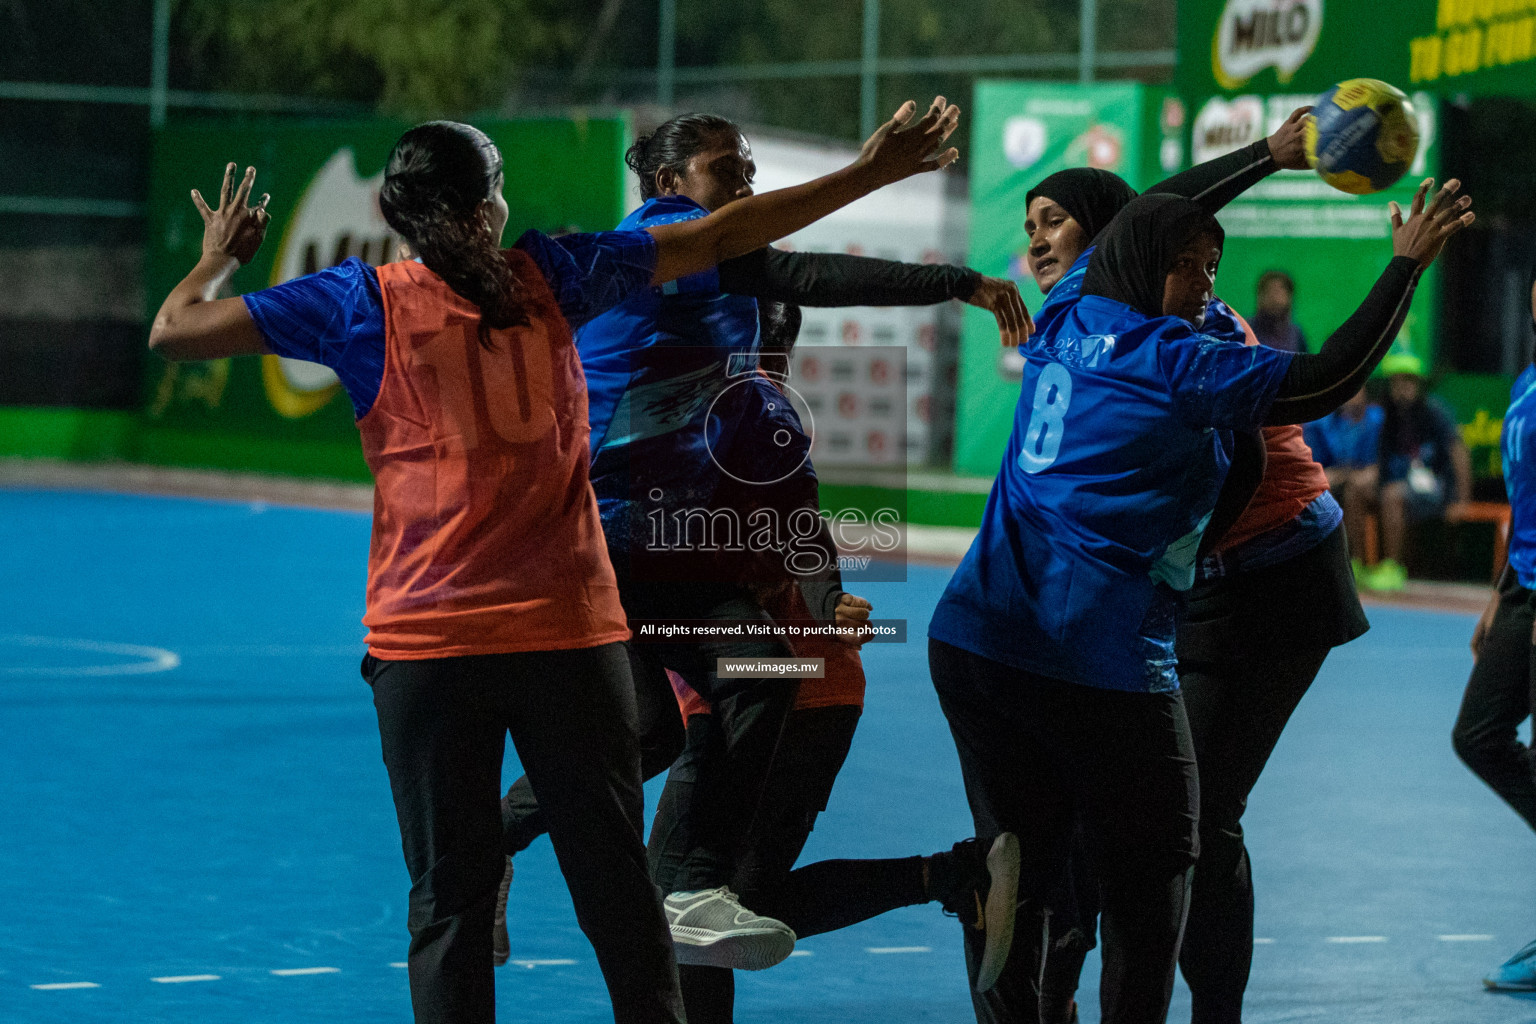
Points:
983	891
501	944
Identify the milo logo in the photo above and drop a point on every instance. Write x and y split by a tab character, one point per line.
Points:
337	217
1252	35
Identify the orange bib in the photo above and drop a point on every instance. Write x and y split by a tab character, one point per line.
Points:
486	538
1292	479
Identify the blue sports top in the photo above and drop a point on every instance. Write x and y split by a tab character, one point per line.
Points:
336	316
1111	472
655	365
1518	448
1337	440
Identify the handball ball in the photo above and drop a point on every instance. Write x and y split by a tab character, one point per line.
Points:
1362	136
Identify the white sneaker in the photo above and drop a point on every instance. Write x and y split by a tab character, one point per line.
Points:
501	943
710	928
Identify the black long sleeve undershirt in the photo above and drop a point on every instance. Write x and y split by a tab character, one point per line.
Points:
1316	384
1216	183
834	279
1244	475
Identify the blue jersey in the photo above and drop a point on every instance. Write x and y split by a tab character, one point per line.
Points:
336	317
1337	440
1518	447
655	366
1111	473
1064	294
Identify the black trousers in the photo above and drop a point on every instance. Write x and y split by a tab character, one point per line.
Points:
1039	756
1500	695
1249	647
817	898
752	712
443	724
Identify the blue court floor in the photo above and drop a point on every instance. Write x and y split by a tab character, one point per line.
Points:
195	825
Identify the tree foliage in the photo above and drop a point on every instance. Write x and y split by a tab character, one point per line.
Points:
410	57
421	57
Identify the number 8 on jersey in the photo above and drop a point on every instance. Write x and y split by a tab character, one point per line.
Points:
1042	439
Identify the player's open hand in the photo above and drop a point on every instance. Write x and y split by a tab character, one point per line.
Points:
852	613
902	147
1429	224
1289	143
1001	298
233	229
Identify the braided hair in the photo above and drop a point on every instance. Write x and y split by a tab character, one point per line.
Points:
437	176
673	144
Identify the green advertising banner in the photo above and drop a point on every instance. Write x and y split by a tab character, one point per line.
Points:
1474	47
1244	65
286	416
1022	132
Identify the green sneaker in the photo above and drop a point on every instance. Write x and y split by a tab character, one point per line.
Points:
1388	575
1357	567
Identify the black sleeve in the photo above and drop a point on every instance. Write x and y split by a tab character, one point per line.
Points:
1315	385
822	590
1246	472
1217	182
833	279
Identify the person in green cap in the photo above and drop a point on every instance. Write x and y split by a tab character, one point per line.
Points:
1423	467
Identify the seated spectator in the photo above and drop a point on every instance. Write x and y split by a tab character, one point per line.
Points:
1271	321
1425	472
1345	442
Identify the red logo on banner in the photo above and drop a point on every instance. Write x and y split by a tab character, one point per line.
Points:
927	336
876	442
879	371
810	368
851	332
848	405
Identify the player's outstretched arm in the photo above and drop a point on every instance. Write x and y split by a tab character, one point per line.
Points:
192	323
899	149
1315	385
837	279
1217	182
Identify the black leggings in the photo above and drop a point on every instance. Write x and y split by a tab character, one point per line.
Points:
726	793
1500	695
1249	648
817	898
1039	755
443	724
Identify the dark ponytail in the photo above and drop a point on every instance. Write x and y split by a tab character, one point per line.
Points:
437	176
673	144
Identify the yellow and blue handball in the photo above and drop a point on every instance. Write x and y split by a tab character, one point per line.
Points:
1362	136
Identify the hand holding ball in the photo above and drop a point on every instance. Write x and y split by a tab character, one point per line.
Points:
1362	136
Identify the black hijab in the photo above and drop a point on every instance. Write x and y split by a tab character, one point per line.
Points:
1090	195
1137	250
1530	287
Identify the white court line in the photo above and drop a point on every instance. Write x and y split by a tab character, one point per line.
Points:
294	972
801	952
530	964
1465	938
898	949
1353	939
59	986
177	979
399	963
1263	942
156	659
